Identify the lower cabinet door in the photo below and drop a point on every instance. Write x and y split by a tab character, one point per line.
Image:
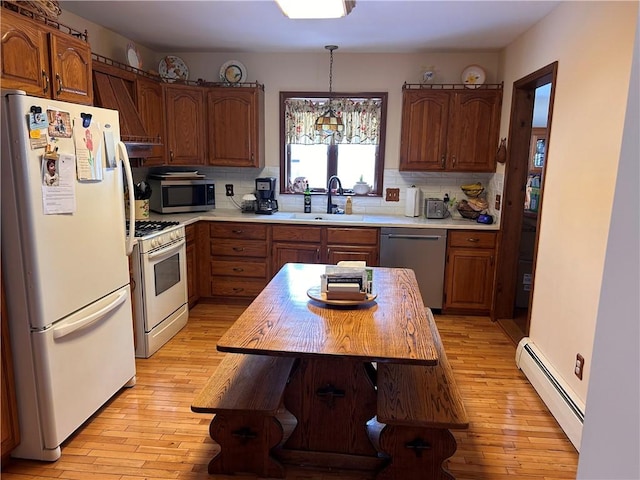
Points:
283	253
469	280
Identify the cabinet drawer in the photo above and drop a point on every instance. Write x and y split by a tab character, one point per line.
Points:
297	234
226	287
352	236
238	248
238	269
238	230
472	239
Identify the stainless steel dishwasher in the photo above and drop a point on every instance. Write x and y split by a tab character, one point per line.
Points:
422	250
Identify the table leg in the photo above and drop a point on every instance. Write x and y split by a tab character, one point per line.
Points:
414	452
247	441
332	399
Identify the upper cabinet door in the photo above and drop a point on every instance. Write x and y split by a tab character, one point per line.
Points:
24	60
235	125
70	69
474	130
423	142
185	125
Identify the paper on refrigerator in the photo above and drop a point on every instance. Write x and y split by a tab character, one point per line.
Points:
58	184
88	143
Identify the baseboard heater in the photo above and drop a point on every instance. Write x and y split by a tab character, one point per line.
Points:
561	400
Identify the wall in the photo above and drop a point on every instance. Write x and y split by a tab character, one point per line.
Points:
593	43
310	72
611	436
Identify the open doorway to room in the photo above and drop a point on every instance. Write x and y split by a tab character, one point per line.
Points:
530	125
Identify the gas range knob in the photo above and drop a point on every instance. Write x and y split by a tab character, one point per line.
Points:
174	235
155	242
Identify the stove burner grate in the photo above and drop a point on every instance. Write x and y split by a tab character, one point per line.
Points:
146	227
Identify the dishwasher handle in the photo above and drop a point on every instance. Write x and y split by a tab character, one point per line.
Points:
415	237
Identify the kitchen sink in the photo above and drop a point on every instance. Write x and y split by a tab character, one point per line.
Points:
327	217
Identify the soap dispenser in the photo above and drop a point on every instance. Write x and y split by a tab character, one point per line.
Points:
348	208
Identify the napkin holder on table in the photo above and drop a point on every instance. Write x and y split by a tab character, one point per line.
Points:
344	283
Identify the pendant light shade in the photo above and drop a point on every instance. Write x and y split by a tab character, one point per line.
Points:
329	122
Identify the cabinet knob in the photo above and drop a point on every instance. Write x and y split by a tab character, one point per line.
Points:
443	160
237	232
171	156
453	160
473	240
238	269
238	249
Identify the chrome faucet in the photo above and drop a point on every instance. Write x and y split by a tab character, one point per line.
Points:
331	207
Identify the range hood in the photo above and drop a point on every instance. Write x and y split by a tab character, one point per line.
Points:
112	92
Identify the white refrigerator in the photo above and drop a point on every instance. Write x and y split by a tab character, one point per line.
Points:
64	265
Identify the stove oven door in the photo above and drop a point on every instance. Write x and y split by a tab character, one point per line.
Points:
164	277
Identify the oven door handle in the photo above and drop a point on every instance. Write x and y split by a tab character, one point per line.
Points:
124	158
166	251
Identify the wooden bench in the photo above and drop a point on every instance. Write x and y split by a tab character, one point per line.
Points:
245	394
417	405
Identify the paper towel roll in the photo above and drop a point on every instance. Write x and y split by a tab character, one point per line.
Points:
412	205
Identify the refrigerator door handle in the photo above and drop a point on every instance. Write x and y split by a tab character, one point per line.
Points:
124	157
63	330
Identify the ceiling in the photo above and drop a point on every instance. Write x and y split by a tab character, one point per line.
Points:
375	26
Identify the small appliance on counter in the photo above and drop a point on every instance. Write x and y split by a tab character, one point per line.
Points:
266	203
435	208
177	192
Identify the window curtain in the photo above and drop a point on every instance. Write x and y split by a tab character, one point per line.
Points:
361	119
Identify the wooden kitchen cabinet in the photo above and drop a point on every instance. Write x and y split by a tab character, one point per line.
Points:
193	291
235	122
185	124
362	244
469	272
8	405
150	104
44	61
295	244
449	129
238	259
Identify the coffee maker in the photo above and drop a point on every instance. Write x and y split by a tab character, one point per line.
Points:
266	192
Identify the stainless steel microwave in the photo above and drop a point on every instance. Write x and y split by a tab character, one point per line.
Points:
181	195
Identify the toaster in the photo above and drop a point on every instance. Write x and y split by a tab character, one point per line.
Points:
435	208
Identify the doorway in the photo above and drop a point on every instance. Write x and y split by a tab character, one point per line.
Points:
523	201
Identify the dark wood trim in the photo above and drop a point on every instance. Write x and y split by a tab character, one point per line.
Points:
516	171
285	154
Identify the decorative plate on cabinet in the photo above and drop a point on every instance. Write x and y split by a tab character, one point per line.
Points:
473	76
172	68
133	56
233	72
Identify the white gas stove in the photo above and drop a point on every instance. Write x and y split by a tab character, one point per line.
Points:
160	291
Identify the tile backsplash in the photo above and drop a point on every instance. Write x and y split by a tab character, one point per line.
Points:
434	185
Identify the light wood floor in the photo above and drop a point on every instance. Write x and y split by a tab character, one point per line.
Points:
149	432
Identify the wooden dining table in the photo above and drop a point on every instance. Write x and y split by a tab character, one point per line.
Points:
332	390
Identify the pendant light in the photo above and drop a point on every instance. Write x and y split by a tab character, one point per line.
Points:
329	122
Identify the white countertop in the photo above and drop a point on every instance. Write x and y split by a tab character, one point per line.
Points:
356	220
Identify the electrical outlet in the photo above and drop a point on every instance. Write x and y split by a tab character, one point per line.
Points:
229	188
393	195
497	205
579	366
